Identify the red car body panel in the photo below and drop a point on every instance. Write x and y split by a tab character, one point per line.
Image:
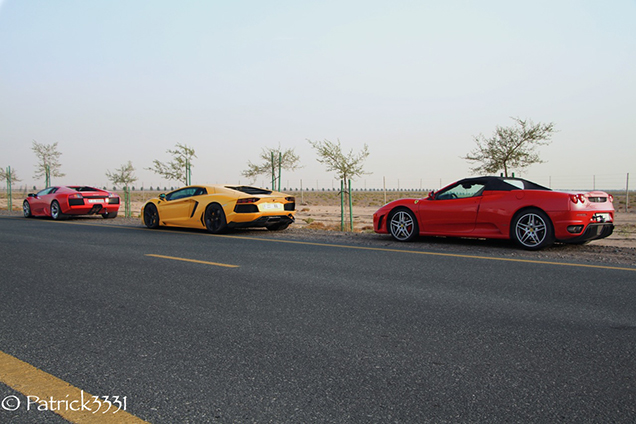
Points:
575	217
73	200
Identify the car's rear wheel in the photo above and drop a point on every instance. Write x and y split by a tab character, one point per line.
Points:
151	216
109	215
26	208
56	211
215	219
403	225
532	229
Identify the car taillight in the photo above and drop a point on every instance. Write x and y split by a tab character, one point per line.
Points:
290	199
75	196
247	200
576	198
611	198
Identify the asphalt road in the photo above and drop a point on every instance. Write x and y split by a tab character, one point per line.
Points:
306	332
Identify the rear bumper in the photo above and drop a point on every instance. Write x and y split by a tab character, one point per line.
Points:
592	232
263	221
91	209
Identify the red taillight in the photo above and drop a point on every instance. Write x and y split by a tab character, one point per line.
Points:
247	200
75	196
577	198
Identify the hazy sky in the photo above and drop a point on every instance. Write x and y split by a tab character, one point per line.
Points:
114	80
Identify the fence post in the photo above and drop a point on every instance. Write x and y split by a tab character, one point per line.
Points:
342	205
384	188
280	160
350	208
9	193
627	193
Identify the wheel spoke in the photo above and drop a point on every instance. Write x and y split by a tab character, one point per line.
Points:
531	230
402	225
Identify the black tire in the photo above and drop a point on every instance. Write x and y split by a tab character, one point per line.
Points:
56	211
279	226
532	229
151	216
214	219
26	209
110	215
402	225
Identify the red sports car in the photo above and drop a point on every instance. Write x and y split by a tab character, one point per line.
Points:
500	208
58	202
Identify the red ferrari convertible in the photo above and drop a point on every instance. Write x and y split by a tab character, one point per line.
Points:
500	208
58	202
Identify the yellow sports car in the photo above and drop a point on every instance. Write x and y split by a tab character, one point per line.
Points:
219	208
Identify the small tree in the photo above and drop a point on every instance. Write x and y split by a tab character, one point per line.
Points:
124	175
273	160
179	169
347	167
10	177
510	147
48	161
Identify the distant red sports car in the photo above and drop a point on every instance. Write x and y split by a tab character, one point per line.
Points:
500	208
58	202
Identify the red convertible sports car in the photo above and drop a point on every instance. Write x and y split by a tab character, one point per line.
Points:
58	202
500	208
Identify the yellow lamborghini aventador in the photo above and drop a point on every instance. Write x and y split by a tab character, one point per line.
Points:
219	208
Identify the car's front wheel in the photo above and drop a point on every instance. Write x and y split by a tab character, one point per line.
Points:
215	219
56	211
532	229
151	216
26	208
403	225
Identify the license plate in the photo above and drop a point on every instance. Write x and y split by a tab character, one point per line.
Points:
95	200
602	217
268	207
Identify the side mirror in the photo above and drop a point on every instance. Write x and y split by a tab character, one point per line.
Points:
162	196
431	195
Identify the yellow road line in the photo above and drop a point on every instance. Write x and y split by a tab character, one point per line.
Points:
452	255
192	260
47	392
380	249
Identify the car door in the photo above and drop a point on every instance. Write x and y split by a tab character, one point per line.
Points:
41	202
452	210
178	206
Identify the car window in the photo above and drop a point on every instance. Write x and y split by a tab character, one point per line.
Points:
461	191
46	191
516	183
185	193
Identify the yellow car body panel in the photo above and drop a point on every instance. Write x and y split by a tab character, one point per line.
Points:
243	206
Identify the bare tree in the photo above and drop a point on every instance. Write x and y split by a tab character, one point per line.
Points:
48	161
124	175
272	160
179	168
347	166
510	147
9	175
